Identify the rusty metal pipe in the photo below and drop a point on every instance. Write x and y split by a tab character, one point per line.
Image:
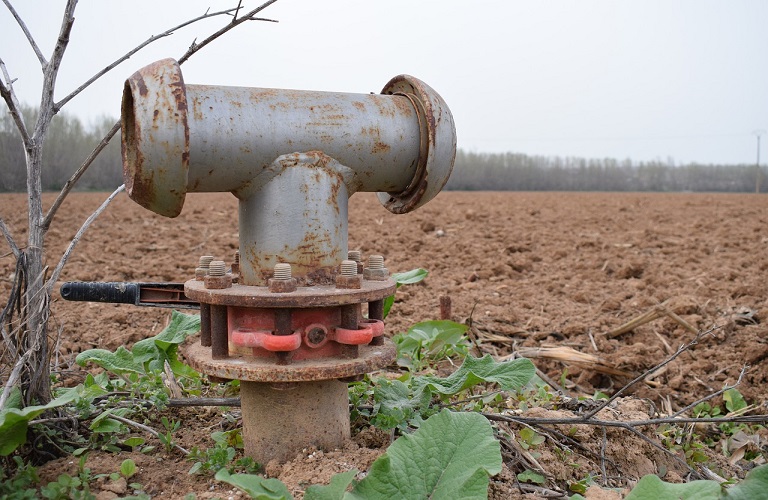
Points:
178	138
299	217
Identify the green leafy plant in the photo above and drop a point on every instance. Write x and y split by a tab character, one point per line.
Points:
451	456
151	354
754	485
222	455
529	438
14	421
430	341
400	403
19	486
406	278
166	437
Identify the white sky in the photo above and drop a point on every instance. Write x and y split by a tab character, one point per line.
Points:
649	79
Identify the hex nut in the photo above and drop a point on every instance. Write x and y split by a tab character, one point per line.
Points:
277	285
376	274
349	282
218	282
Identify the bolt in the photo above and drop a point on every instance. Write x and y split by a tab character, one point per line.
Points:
357	257
236	263
376	270
348	277
282	281
218	278
202	267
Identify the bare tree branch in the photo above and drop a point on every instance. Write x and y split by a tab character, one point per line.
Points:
250	16
30	39
47	105
136	49
9	96
637	379
9	238
76	238
145	428
193	48
76	176
13	378
714	394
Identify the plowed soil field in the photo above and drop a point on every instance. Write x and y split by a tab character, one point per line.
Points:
531	270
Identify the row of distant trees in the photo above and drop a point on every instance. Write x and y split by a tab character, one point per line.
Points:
70	142
519	172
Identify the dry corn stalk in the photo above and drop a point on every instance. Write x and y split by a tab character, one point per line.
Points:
655	313
572	356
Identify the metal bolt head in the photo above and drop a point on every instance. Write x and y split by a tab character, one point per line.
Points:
218	282
348	277
282	282
236	263
376	270
202	267
217	278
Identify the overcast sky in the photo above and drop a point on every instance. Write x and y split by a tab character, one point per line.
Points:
645	80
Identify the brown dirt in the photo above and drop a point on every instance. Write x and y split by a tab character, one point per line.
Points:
533	270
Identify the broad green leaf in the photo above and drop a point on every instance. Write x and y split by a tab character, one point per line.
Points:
121	361
14	422
397	403
333	491
179	328
450	456
734	401
755	485
152	353
529	476
410	277
650	487
128	468
257	487
406	278
509	375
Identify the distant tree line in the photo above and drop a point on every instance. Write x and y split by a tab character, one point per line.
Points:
519	172
70	142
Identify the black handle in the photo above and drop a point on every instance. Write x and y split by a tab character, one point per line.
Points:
115	293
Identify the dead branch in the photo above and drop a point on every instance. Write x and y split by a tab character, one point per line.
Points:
27	34
64	258
105	141
136	49
51	70
76	176
645	374
713	395
147	429
9	96
9	238
250	16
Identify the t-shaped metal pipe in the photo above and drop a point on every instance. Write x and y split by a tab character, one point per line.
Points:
281	152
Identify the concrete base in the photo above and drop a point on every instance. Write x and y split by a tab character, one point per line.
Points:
281	419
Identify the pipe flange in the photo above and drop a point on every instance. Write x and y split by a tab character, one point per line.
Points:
437	145
150	179
239	367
